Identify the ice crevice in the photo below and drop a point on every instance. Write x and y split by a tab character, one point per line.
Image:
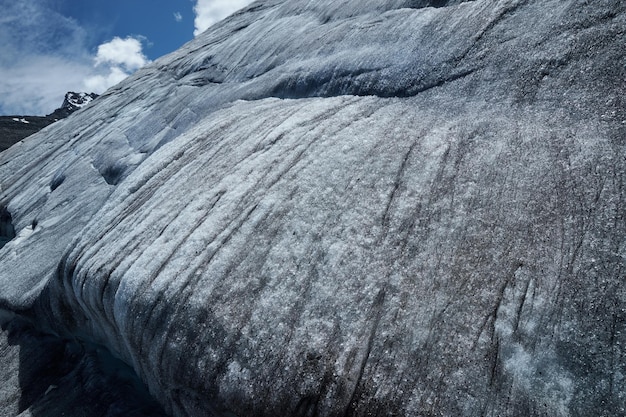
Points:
7	230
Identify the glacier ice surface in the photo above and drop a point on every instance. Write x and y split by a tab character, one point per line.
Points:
326	208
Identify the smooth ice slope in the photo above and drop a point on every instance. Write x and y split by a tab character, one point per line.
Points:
322	208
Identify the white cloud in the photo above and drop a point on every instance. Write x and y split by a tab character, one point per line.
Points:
115	60
126	53
101	82
209	12
36	85
44	54
178	17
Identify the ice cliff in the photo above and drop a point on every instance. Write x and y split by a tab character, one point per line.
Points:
322	208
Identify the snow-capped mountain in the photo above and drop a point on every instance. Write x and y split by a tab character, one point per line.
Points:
322	208
78	100
15	128
71	103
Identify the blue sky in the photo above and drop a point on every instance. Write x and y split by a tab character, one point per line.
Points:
154	20
49	47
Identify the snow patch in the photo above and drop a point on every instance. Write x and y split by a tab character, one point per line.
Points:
24	233
79	99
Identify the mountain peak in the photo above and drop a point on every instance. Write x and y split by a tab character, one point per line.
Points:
74	101
13	129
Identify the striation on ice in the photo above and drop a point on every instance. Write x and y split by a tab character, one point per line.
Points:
322	208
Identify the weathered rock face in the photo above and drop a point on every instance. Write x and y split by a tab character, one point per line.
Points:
326	208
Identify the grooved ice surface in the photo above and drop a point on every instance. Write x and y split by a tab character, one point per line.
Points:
326	208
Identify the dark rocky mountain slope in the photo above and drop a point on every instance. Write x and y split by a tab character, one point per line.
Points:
15	128
322	208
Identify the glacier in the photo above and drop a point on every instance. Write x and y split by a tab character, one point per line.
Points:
322	208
